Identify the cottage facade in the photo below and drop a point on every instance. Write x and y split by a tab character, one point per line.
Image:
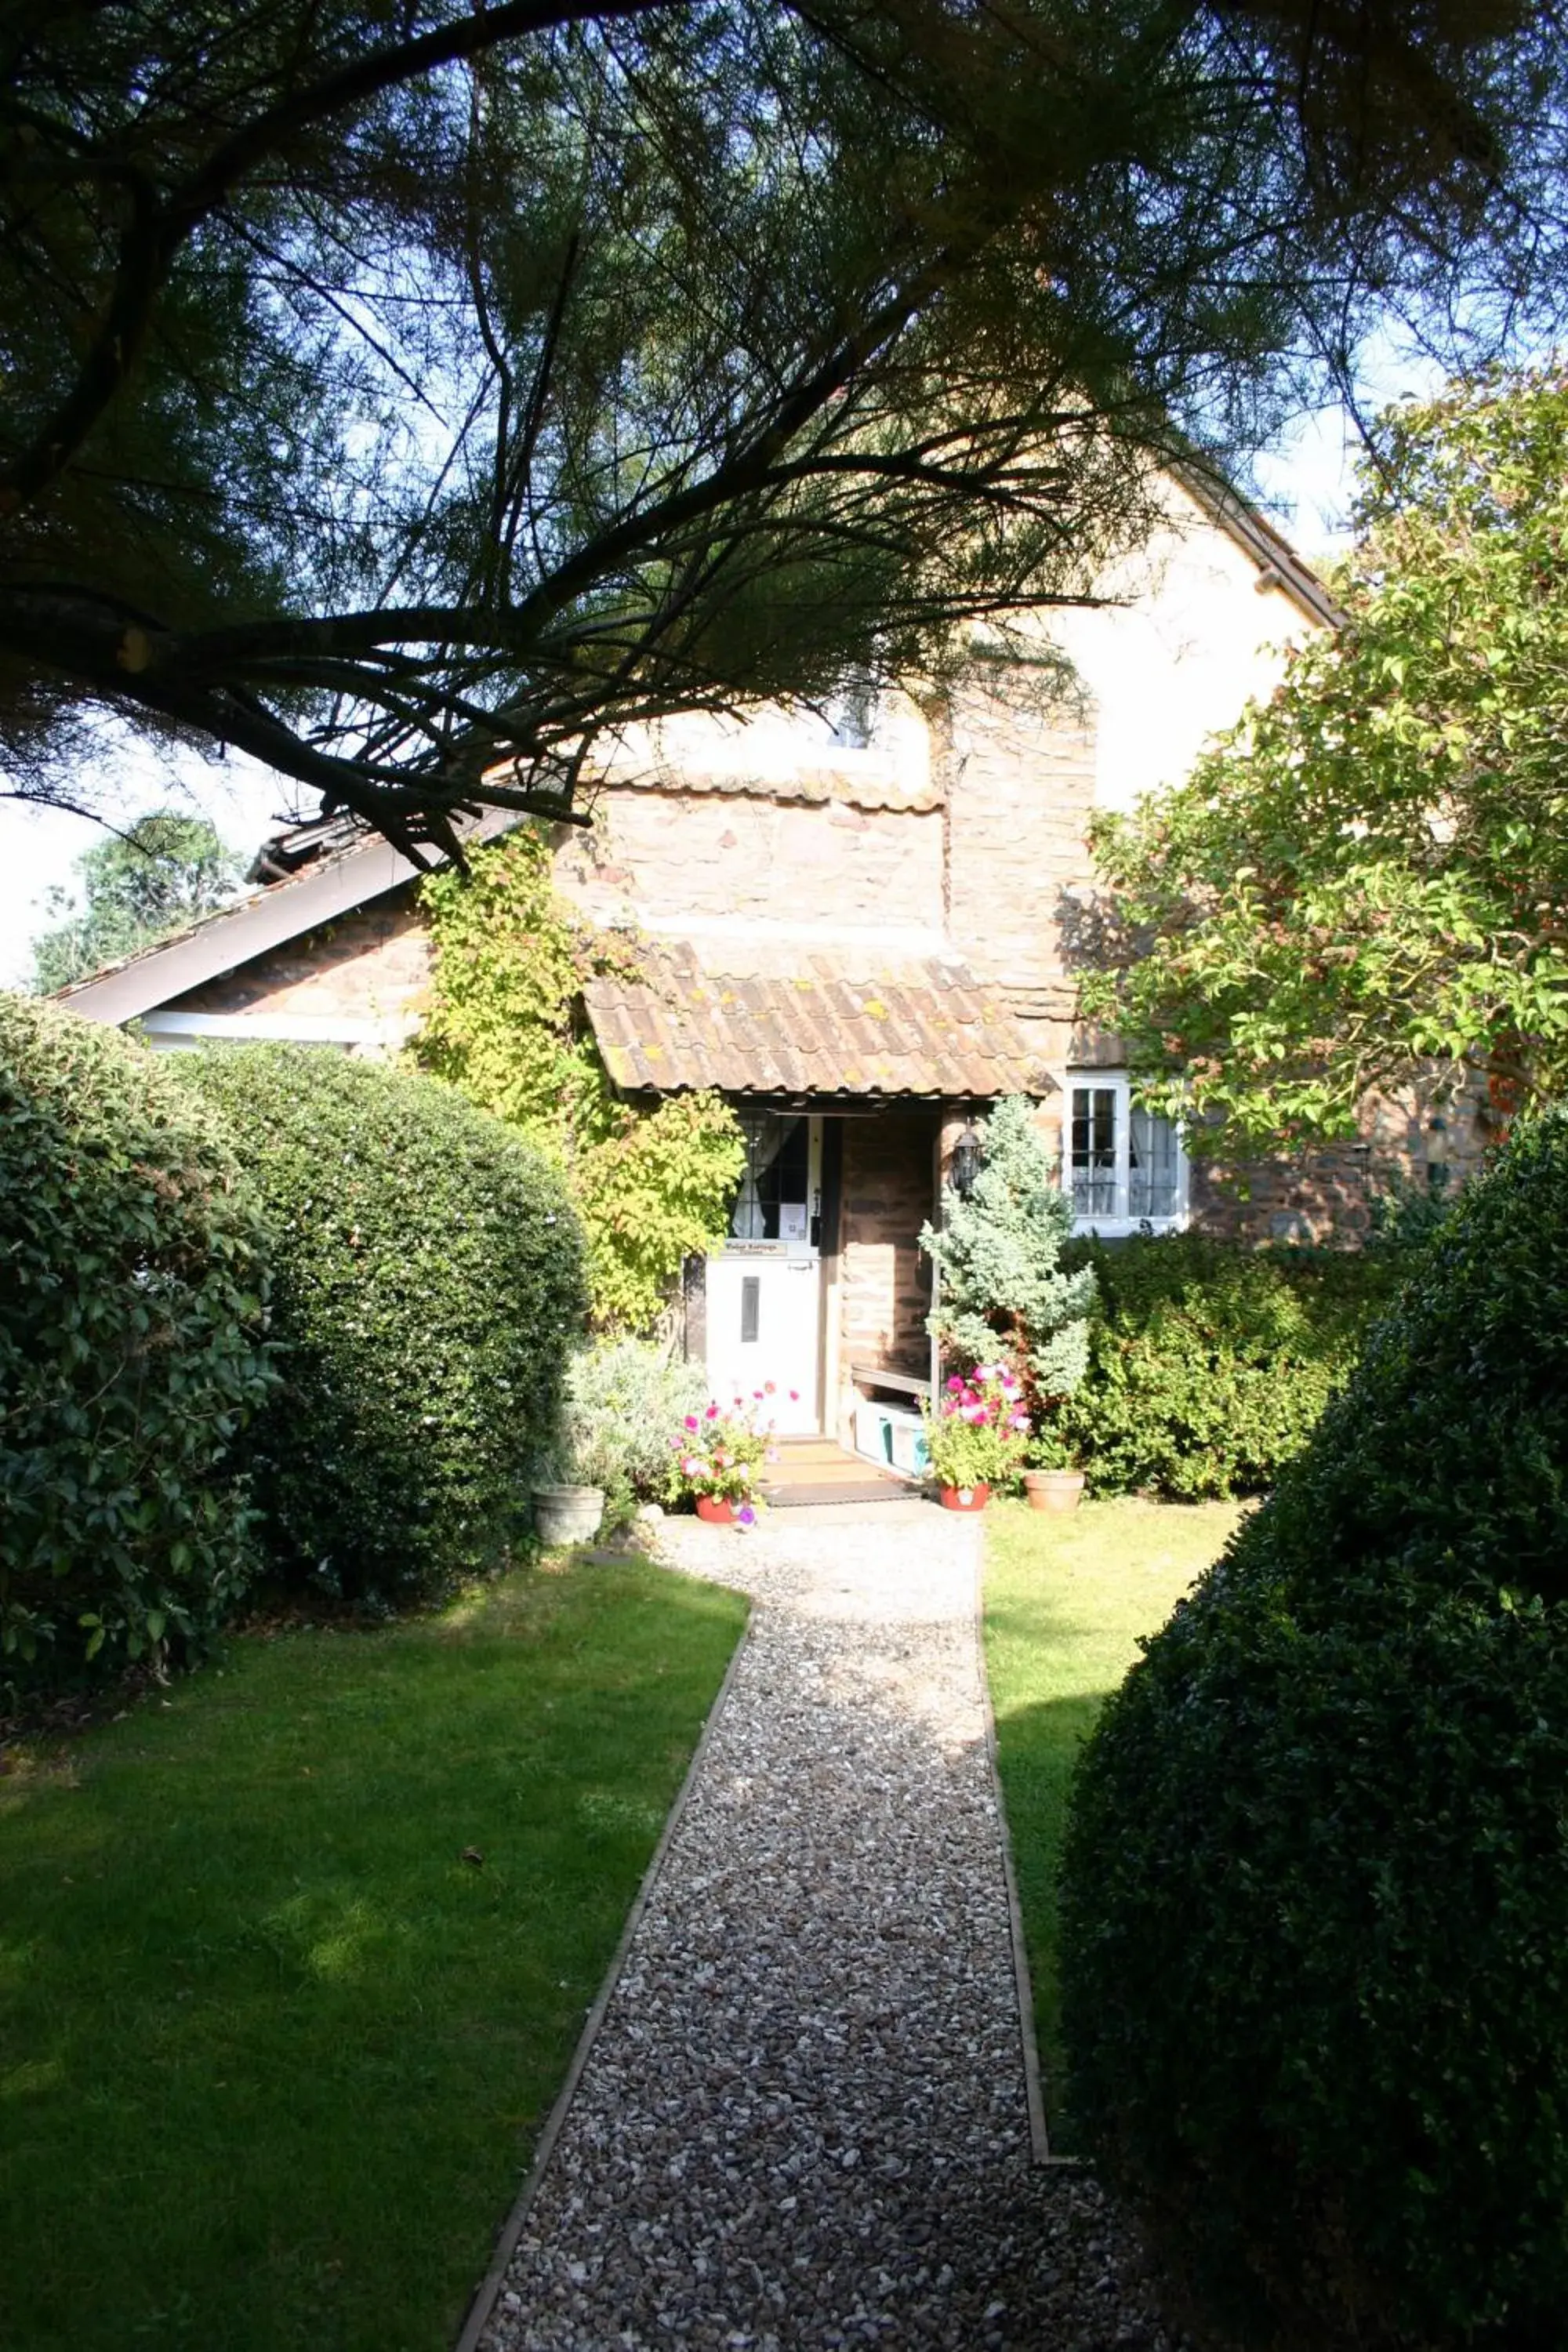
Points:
861	927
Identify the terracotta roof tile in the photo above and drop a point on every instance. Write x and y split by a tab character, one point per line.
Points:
837	1023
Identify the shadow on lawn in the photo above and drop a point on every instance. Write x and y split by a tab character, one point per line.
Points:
292	1967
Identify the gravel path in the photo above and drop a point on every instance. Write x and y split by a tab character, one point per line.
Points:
803	2123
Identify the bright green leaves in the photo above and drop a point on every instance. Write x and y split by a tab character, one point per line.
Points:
1368	875
652	1188
133	1352
427	1291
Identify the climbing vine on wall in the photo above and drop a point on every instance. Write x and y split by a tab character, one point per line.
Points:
652	1187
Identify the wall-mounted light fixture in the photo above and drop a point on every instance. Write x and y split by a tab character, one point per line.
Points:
965	1163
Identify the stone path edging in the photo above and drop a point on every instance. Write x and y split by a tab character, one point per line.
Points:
482	2308
795	2121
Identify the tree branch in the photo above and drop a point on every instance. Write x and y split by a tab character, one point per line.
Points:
157	231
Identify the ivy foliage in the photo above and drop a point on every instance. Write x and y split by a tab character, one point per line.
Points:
1315	1896
652	1187
1364	882
1209	1363
998	1255
426	1292
132	1351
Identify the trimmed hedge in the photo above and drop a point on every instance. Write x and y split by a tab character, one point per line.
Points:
427	1286
1315	1893
1209	1364
132	1352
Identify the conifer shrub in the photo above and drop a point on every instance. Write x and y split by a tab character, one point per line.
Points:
1006	1287
428	1287
132	1283
1209	1363
1315	1895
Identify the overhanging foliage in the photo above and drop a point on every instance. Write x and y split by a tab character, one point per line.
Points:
1365	884
651	1187
394	390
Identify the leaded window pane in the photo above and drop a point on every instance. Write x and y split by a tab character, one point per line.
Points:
1093	1155
774	1178
1151	1165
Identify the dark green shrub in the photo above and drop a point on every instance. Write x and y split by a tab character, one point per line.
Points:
1316	1887
1209	1364
132	1284
428	1289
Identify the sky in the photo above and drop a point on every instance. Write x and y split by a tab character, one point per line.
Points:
1305	481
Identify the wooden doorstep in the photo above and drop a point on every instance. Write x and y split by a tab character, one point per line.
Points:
815	1470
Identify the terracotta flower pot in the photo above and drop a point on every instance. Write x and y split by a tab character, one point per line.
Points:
964	1498
716	1510
1053	1490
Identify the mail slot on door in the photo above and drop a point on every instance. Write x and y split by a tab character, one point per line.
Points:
751	1306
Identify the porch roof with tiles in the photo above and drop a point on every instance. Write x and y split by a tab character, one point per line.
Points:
810	1022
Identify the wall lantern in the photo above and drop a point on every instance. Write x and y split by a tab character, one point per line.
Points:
965	1163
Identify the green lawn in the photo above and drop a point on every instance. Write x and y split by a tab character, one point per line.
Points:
1066	1602
271	2052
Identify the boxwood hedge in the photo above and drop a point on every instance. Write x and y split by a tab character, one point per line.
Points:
132	1352
428	1284
1209	1363
1316	1885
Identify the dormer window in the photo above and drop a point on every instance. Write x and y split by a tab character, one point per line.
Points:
1123	1166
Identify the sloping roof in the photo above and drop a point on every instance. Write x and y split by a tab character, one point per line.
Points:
323	870
841	1022
1277	562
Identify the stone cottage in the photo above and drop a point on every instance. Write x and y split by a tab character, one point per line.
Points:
859	926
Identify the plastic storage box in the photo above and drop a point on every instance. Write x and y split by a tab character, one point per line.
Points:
911	1454
873	1430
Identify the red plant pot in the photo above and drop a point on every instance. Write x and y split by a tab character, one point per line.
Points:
964	1498
716	1510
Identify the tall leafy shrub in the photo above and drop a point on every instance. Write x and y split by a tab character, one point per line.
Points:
428	1287
1315	1890
652	1187
1209	1364
132	1283
999	1256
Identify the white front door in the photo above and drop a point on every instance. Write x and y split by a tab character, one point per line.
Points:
762	1301
764	1290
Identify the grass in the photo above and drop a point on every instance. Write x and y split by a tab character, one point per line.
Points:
272	2053
1066	1602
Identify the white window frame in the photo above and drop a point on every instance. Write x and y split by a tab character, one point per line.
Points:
1120	1221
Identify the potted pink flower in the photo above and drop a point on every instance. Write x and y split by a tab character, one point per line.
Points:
977	1433
718	1459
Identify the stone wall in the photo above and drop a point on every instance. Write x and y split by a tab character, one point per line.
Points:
884	1287
1020	790
659	858
1325	1197
371	965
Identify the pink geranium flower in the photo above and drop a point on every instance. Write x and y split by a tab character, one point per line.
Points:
711	1413
692	1422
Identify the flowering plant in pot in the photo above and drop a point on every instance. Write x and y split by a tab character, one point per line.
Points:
719	1456
976	1433
1053	1476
